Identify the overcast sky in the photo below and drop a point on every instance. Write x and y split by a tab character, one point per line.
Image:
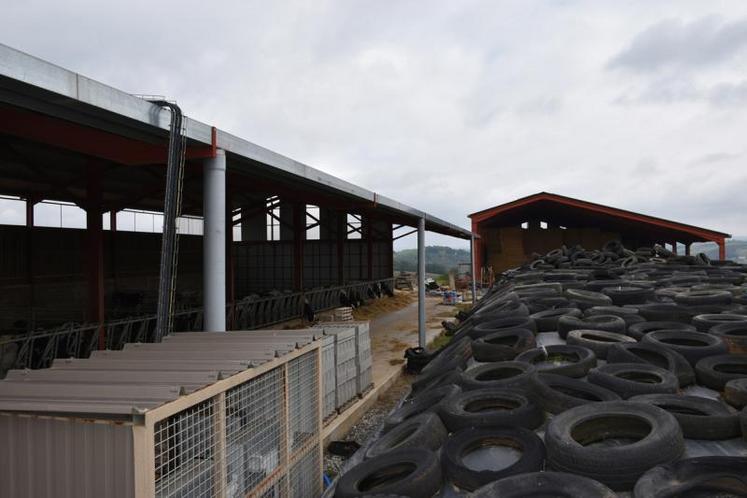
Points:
450	106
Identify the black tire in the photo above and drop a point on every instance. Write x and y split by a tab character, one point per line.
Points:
743	423
631	379
598	341
699	418
706	322
501	324
702	476
510	309
547	321
629	315
703	297
429	401
560	359
464	442
569	436
501	374
422	383
503	345
557	393
556	484
415	473
664	312
623	295
638	330
490	408
715	371
587	299
733	334
735	393
608	323
653	354
694	346
456	353
422	431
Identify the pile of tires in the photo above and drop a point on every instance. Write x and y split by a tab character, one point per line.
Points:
582	373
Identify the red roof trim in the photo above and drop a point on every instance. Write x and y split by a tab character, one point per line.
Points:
704	233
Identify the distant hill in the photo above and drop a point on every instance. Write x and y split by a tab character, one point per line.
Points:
736	250
438	259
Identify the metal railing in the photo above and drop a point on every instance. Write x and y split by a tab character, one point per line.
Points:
37	349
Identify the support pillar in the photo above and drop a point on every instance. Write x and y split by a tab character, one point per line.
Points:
721	249
94	255
472	268
30	203
421	283
214	242
254	226
342	229
687	249
299	235
230	272
674	248
368	233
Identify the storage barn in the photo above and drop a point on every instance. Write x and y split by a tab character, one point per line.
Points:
511	232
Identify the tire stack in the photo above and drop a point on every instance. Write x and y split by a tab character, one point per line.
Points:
582	373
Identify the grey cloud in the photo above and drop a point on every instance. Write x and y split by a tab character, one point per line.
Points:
715	157
728	94
672	42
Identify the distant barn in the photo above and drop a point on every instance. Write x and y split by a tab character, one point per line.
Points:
511	232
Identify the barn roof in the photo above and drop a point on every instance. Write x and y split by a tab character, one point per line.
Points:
567	211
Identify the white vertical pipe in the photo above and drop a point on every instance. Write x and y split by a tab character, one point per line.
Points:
421	282
472	270
214	242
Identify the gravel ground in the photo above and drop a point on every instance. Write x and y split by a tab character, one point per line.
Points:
369	424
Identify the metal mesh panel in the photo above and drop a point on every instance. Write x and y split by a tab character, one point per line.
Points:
303	399
305	476
254	428
185	447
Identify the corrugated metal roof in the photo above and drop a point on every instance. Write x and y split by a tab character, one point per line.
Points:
144	376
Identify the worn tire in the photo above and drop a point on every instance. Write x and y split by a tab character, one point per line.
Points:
501	324
743	422
569	435
664	312
501	374
735	393
638	330
628	294
560	359
598	341
608	323
631	379
702	476
490	408
706	322
557	393
422	431
703	297
460	443
733	334
547	321
415	473
699	418
716	371
586	298
694	346
653	354
556	484
429	401
503	345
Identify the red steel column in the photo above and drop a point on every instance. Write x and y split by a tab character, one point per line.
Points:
94	259
721	249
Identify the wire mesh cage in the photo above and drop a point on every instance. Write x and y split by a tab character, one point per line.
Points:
235	435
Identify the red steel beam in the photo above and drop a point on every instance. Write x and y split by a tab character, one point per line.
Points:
89	141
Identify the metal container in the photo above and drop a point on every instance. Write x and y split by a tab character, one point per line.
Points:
158	428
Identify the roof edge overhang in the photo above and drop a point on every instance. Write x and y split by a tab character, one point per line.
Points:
52	85
704	233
